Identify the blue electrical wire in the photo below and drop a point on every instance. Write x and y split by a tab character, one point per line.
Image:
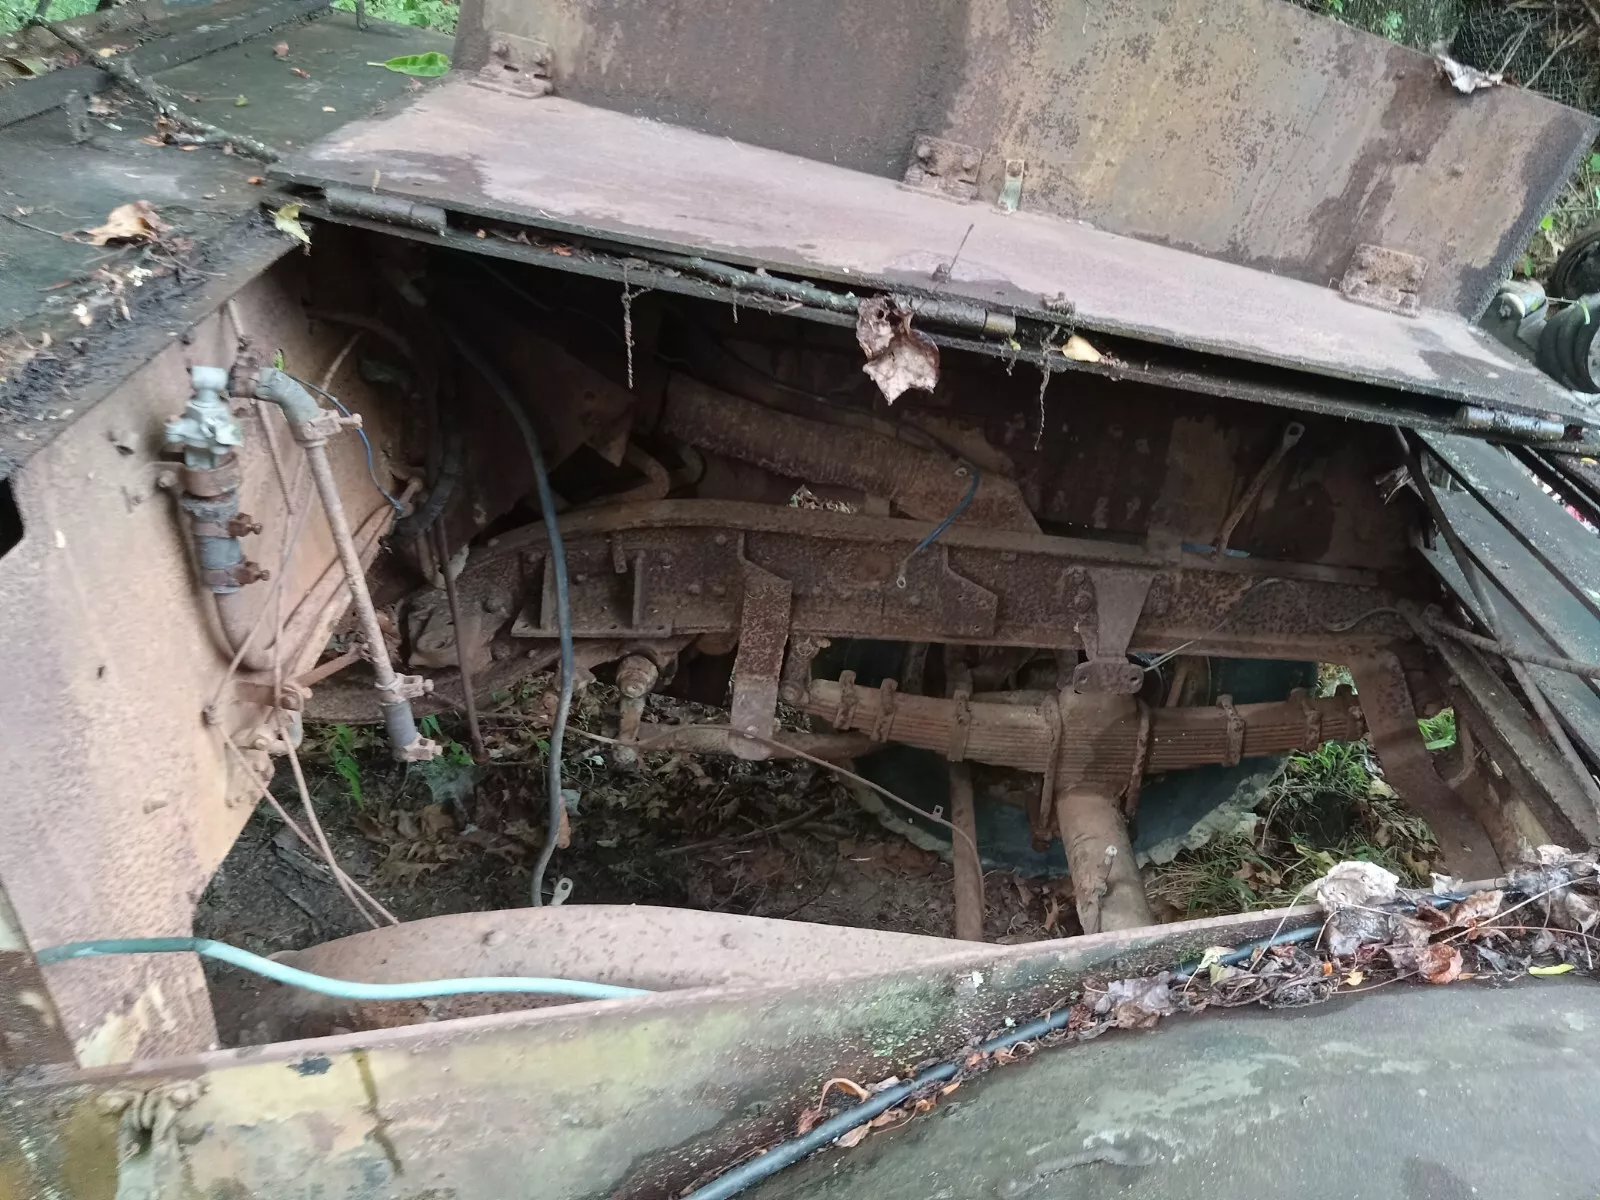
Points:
372	469
345	989
933	535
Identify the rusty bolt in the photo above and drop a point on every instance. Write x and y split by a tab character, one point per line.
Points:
240	524
250	572
167	480
636	675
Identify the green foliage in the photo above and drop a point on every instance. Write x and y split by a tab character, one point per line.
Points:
427	65
341	746
1327	806
426	14
14	14
1439	732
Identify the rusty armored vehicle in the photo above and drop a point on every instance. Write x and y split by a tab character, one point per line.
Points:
1011	404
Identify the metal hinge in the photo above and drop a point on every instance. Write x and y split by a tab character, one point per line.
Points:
944	167
519	66
1386	279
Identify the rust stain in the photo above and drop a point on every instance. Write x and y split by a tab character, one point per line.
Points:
380	1123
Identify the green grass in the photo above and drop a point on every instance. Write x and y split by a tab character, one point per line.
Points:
1327	807
426	14
15	13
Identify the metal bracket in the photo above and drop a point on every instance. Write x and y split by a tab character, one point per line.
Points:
960	722
1118	597
763	634
1235	730
844	713
319	429
1382	278
407	687
1312	716
887	692
1011	186
944	168
1141	756
518	66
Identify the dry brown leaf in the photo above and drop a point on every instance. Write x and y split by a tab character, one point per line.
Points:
1440	964
807	1122
281	50
1078	349
1354	978
256	179
844	1085
564	831
435	820
851	1137
136	222
299	72
889	1116
1477	908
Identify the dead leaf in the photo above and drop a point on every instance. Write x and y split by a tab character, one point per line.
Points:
255	179
281	50
1439	964
844	1085
435	820
299	72
899	358
1354	978
564	831
287	219
1078	349
851	1137
889	1116
807	1122
136	222
1476	908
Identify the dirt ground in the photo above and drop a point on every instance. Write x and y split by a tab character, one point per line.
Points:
784	839
781	839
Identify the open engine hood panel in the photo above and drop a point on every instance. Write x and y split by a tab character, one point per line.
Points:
554	166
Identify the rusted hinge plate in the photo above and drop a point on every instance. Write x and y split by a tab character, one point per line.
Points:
518	66
1382	278
944	168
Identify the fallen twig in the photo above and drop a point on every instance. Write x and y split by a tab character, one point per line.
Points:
134	82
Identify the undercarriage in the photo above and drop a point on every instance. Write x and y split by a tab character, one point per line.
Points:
1002	429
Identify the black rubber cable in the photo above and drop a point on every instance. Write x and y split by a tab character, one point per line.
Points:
731	1183
547	503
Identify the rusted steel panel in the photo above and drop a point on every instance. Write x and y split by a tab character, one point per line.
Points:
651	570
631	1099
555	164
1253	131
